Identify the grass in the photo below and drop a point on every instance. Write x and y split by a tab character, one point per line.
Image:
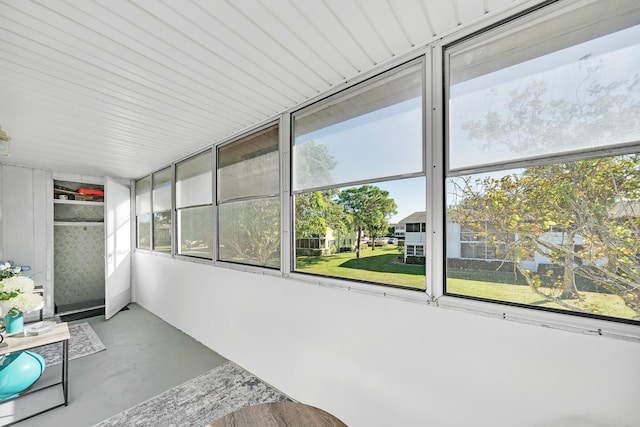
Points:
379	266
373	266
590	302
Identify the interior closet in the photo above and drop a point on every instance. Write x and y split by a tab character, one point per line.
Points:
79	246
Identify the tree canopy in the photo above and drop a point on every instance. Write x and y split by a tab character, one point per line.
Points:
581	215
370	208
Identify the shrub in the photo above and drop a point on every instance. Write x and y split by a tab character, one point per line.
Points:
416	259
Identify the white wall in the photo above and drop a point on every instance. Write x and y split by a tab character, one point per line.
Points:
375	361
24	225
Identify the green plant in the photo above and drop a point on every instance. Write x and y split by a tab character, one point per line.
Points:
16	291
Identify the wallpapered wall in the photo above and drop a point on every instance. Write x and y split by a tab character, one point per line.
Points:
78	253
78	263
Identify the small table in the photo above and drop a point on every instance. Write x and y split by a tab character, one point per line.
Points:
20	342
278	414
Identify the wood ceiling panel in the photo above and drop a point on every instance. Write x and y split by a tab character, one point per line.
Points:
217	62
468	10
308	64
124	87
385	19
249	40
414	20
311	40
326	22
442	15
353	18
74	52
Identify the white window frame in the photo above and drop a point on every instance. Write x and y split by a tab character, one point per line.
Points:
436	236
417	295
171	211
138	214
435	196
241	265
177	214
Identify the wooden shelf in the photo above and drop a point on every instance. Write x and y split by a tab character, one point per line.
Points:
77	202
79	223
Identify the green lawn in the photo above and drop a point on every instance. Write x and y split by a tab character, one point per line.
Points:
591	302
380	266
373	266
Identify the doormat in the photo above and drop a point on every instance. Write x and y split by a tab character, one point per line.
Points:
82	315
83	342
200	401
86	314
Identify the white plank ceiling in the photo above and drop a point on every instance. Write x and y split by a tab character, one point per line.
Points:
125	87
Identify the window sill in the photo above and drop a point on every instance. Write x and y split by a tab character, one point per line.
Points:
410	295
565	322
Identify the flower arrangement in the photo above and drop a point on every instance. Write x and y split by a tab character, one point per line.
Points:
16	291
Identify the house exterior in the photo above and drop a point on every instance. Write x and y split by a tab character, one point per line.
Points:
325	244
398	230
465	243
415	234
317	244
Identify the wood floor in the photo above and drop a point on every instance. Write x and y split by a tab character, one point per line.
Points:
144	357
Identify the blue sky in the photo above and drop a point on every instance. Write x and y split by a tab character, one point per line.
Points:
385	142
566	72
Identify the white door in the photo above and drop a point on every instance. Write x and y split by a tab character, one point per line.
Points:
117	292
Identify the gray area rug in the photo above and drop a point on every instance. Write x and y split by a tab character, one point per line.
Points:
83	342
200	401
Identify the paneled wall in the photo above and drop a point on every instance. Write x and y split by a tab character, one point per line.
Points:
27	236
24	208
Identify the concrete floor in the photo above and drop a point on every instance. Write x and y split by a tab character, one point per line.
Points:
144	357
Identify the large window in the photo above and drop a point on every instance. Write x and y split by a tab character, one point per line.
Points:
194	206
143	213
543	186
357	167
249	200
161	198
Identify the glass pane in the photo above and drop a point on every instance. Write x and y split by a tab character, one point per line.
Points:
249	232
195	232
143	196
517	93
374	131
563	236
194	182
162	190
144	231
250	167
358	233
162	231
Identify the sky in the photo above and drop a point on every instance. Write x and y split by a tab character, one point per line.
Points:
388	141
567	73
385	142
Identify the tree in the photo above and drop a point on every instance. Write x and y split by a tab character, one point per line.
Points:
312	165
595	200
250	231
370	208
317	212
310	217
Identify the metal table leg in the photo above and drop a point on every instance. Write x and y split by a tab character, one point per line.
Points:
65	371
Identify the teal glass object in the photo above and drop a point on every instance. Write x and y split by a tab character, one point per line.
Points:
14	324
18	372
